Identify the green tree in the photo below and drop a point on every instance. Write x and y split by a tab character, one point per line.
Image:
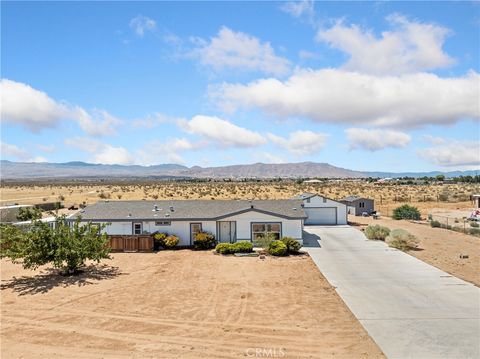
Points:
29	213
440	178
66	247
406	212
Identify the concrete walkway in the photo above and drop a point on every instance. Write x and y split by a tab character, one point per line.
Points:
411	309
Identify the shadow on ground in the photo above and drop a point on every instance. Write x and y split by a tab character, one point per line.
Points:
52	278
310	240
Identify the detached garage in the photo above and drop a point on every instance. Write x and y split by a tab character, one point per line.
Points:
322	210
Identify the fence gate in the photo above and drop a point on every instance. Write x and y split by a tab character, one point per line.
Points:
131	243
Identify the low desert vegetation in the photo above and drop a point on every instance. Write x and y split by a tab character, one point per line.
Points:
401	240
65	247
406	212
204	240
277	248
231	248
377	232
293	246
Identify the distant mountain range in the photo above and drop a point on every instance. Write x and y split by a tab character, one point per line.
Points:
75	170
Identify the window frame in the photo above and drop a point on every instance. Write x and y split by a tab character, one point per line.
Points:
266	231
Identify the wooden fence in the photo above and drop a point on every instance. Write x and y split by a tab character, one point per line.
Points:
132	243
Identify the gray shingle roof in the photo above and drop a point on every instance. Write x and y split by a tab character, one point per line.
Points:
353	198
187	209
305	195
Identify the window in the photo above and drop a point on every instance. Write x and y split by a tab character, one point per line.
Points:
362	205
162	223
308	200
137	228
324	200
262	230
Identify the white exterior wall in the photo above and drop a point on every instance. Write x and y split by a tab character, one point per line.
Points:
179	228
317	201
290	227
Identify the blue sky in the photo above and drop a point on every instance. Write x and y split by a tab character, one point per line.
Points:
361	85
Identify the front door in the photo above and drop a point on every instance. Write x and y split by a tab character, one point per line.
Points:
226	231
194	229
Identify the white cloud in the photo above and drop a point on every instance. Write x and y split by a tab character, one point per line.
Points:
98	123
222	132
268	157
460	154
300	143
140	24
9	150
24	105
375	139
299	8
168	151
331	95
34	109
110	155
102	153
434	140
237	50
409	47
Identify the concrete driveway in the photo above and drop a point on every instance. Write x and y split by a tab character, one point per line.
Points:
410	309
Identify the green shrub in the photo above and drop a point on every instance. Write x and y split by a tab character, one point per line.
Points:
243	247
474	225
277	248
402	240
170	241
204	240
230	248
158	240
377	232
293	246
406	212
224	248
435	224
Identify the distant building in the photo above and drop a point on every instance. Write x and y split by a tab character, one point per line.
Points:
8	214
358	205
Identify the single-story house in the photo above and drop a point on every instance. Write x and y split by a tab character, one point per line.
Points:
321	210
358	205
228	220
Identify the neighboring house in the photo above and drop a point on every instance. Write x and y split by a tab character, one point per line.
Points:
50	220
8	214
322	210
358	205
228	220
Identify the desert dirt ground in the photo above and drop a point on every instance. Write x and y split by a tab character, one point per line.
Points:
439	247
428	198
182	304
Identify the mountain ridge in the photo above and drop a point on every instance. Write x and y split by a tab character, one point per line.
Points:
79	169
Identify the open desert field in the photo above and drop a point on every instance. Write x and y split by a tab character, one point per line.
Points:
439	247
427	198
181	304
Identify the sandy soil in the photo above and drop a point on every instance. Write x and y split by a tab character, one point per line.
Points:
180	304
439	247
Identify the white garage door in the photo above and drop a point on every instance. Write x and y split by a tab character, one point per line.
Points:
321	216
